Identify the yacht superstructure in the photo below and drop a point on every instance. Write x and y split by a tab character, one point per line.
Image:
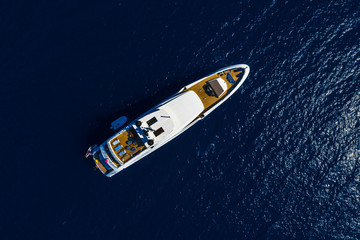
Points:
167	120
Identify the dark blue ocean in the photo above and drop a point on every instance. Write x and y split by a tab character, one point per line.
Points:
279	160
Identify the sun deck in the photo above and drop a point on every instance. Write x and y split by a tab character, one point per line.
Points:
127	144
231	77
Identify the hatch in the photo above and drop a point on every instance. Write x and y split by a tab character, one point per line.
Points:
215	87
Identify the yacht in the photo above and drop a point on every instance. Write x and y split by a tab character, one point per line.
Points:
158	126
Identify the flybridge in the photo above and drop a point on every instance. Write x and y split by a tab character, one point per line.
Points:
167	120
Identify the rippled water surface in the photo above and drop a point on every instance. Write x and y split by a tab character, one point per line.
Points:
279	160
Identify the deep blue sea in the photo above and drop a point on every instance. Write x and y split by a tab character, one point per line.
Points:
279	160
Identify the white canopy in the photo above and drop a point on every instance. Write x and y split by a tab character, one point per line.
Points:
172	116
183	109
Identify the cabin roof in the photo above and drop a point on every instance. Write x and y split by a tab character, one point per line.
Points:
184	108
171	116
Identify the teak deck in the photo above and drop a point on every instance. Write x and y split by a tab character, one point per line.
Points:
207	100
123	138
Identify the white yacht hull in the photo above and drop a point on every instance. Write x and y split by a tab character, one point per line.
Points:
174	133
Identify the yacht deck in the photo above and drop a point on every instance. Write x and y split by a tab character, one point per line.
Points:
127	145
208	100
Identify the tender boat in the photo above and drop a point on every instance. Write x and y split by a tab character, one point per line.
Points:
167	120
